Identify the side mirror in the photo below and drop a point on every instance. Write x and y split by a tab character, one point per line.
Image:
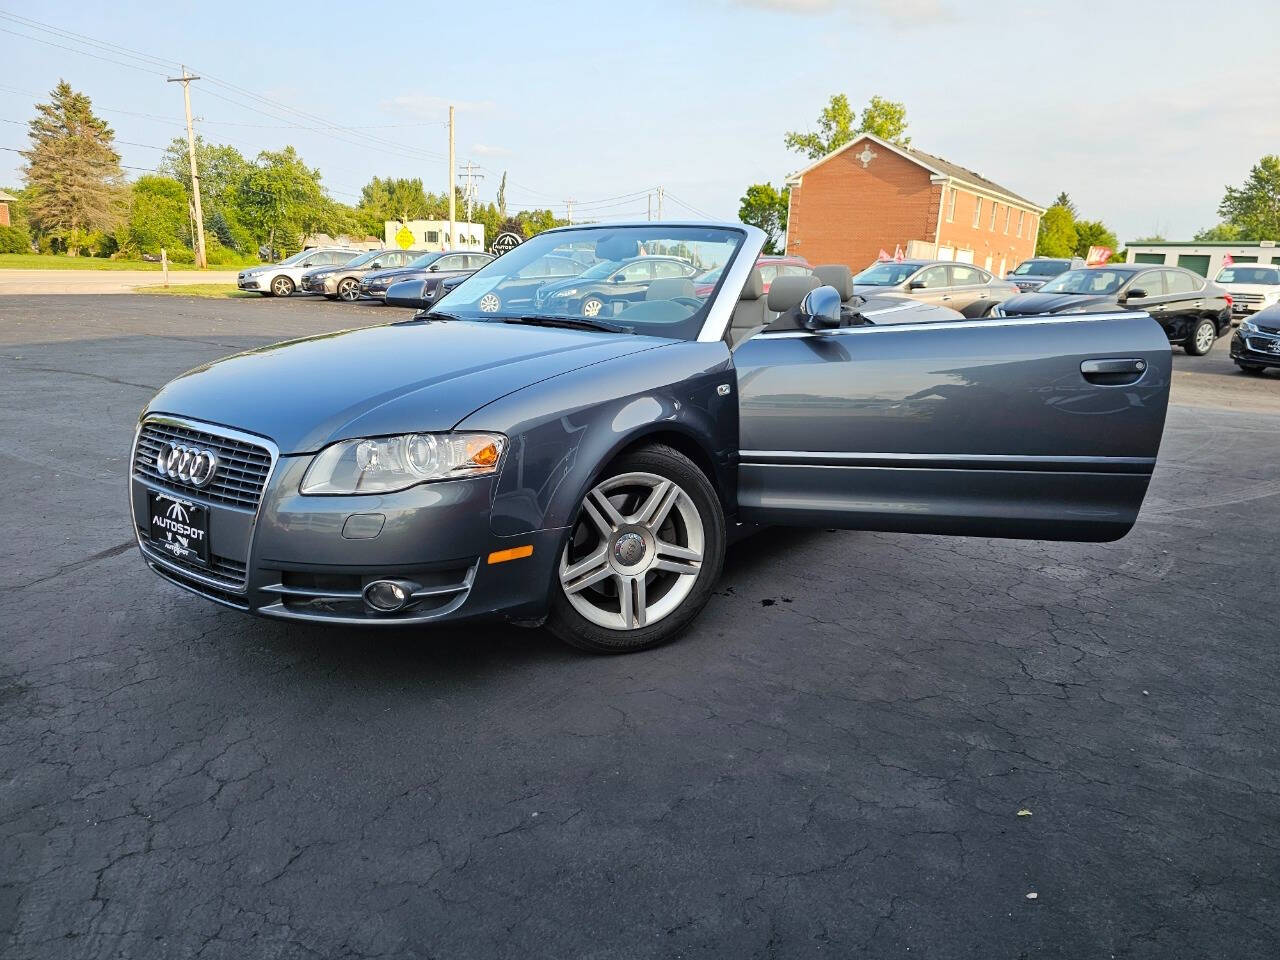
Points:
1135	293
916	285
433	268
820	309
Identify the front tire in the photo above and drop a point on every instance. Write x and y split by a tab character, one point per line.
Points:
349	289
490	303
281	287
592	307
642	557
1200	340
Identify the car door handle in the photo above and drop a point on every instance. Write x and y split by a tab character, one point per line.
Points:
1113	372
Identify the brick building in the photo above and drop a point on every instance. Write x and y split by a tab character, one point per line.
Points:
5	200
872	195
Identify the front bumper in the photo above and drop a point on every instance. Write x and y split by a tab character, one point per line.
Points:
1258	349
250	283
374	293
304	558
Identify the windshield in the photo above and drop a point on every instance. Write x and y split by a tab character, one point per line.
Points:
1041	268
640	278
711	276
886	274
365	258
1091	282
426	260
1264	275
296	258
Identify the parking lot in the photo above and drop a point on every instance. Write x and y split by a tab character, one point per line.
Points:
869	744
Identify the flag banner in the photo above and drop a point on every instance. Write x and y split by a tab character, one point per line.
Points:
1098	256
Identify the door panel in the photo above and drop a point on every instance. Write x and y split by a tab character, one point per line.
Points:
983	428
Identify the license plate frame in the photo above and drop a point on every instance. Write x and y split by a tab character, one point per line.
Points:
179	528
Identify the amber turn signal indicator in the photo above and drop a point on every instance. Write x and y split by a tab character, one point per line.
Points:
486	456
513	553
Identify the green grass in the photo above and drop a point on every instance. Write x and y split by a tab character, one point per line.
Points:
216	291
43	261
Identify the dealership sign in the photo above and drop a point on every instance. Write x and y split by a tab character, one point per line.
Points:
505	243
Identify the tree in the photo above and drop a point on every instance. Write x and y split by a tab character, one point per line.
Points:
535	221
74	180
502	197
886	119
1093	233
1057	236
395	198
1063	200
282	200
221	168
1223	232
158	218
764	207
1254	206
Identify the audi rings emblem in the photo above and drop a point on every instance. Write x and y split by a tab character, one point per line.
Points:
189	464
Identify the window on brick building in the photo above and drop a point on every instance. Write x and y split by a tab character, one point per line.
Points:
951	206
994	207
1008	212
1022	215
977	214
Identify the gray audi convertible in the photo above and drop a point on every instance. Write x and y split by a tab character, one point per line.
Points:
544	466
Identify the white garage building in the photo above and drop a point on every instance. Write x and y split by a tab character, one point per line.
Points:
1204	258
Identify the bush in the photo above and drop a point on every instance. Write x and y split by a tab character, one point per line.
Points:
14	240
220	256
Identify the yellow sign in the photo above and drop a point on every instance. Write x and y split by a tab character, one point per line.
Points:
404	237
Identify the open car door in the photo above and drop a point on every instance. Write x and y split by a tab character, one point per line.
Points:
1037	428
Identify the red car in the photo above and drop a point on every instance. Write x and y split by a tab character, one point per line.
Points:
769	267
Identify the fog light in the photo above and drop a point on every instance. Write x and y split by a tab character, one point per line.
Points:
388	596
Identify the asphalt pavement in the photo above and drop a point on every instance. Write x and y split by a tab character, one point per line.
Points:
869	744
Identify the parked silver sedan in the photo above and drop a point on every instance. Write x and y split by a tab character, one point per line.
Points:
960	286
283	278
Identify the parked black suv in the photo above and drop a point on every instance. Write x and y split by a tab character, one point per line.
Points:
1193	311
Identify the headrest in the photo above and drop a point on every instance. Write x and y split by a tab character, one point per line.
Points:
753	289
836	275
668	288
614	246
787	292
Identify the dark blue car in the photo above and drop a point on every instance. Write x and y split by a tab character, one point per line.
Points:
542	465
608	286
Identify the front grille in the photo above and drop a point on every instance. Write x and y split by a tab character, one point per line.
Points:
225	597
1261	344
242	467
1265	329
226	571
1247	297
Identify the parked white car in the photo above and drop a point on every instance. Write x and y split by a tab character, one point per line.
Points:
281	279
1253	286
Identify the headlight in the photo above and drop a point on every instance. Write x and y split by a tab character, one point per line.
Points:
385	464
571	292
1248	326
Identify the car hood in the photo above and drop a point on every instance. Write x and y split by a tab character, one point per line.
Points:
875	290
378	381
1056	302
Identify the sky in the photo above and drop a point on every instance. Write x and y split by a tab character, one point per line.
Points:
1141	111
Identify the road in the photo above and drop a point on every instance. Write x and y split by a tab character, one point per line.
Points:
831	763
25	282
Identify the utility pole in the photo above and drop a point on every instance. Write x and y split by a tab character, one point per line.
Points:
649	214
660	203
469	190
185	80
453	213
568	214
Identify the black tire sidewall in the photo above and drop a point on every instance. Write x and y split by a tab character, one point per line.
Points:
576	630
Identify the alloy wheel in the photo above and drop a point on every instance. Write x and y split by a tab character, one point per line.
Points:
282	286
591	307
349	290
635	553
1204	337
490	303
